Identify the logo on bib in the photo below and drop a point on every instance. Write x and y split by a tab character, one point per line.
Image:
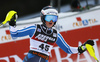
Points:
44	37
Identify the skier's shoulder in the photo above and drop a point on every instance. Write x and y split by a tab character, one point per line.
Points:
54	29
30	26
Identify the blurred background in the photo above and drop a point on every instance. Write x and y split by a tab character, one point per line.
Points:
31	8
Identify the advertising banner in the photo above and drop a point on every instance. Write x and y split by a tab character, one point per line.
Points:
15	51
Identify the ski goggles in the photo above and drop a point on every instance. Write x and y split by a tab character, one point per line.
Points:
51	17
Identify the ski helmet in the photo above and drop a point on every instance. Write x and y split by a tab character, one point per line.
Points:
48	10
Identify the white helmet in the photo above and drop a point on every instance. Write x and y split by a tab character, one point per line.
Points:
48	10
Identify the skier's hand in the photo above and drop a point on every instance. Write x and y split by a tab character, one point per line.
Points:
83	48
12	22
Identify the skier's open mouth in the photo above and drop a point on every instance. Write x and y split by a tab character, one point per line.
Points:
50	23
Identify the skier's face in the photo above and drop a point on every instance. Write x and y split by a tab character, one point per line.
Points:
49	24
50	20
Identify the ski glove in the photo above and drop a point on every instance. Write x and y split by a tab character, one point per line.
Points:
82	48
12	22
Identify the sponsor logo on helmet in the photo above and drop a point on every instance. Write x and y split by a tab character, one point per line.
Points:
53	13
